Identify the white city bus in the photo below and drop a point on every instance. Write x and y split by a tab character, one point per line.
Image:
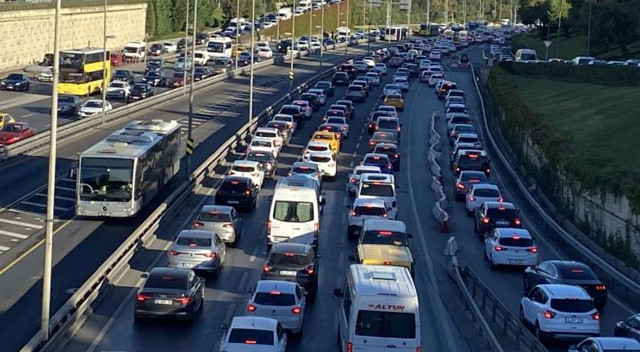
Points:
118	176
219	47
396	33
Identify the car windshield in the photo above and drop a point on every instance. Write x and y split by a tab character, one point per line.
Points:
473	177
386	324
571	305
166	281
251	336
213	216
335	120
305	170
65	99
214	47
274	298
233	186
267	134
290	259
388	124
261	144
289	111
193	241
153	74
467	139
577	273
260	157
15	77
243	168
12	128
377	190
139	87
375	160
385	237
92	104
293	211
106	179
320	159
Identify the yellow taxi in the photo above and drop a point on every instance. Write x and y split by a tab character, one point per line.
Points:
377	254
5	119
396	100
236	50
385	242
328	137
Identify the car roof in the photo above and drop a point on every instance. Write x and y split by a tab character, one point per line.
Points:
386	178
467	135
485	186
617	343
561	291
391	225
253	322
304	164
241	179
494	205
321	153
373	155
283	247
162	271
196	233
276	285
368	201
246	163
511	232
216	209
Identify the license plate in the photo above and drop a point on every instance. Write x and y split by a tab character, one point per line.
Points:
502	223
515	261
163	301
233	202
288	273
187	265
573	320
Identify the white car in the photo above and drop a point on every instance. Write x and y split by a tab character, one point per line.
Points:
307	110
270	132
354	177
265	53
92	107
281	300
369	61
326	162
424	65
315	47
381	68
263	45
267	145
365	209
389	108
480	193
510	246
390	88
435	55
559	311
181	64
118	90
306	169
316	146
248	333
360	66
291	122
248	169
170	47
373	77
402	82
342	122
320	93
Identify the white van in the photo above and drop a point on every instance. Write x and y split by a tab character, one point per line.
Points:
200	57
306	4
285	13
381	310
379	186
524	55
135	51
295	212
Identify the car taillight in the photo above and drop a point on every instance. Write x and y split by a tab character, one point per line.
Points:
227	225
517	222
372	143
230	172
211	255
499	248
472	198
485	220
268	226
418	349
457	169
532	250
344	128
601	287
182	300
399	129
197	224
500	199
595	316
141	297
296	310
353	213
460	185
172	252
354	180
310	270
255	174
266	268
251	308
349	346
548	314
385	215
247	192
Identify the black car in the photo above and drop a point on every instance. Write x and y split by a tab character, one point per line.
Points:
283	46
496	214
170	293
295	111
472	160
313	100
567	272
341	79
413	69
155	78
628	328
268	162
238	192
140	91
154	64
201	73
156	49
68	105
123	75
327	87
390	150
15	81
201	38
295	262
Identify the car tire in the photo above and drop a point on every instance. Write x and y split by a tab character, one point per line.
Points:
525	285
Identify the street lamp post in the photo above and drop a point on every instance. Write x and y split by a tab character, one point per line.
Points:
589	30
186	42
193	70
104	58
51	179
322	33
293	40
253	50
237	32
388	30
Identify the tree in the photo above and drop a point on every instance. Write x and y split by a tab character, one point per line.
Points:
558	10
615	23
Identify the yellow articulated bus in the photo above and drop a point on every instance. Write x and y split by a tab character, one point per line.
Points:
81	71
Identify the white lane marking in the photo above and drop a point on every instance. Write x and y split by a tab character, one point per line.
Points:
27	115
358	145
20	223
56	197
24	212
13	234
253	255
351	163
66	189
43	206
3	248
242	281
360	138
435	296
24	100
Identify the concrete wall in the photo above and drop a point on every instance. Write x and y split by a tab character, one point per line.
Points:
27	35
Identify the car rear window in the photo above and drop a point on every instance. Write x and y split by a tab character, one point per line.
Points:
243	168
467	139
462	129
460	120
516	241
478	177
234	186
305	170
372	160
290	259
261	144
355	88
572	305
292	211
486	192
266	134
275	298
386	324
388	124
251	336
318	147
260	157
387	237
289	111
193	241
469	160
577	273
369	210
502	214
166	281
376	190
214	217
320	159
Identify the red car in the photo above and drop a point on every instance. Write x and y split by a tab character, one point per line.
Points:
116	59
178	79
14	132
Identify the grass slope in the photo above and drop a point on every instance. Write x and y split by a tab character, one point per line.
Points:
302	22
571	47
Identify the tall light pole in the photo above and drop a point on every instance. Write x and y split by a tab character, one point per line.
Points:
464	11
104	59
253	50
293	39
237	32
321	33
388	30
500	10
193	70
51	179
429	15
559	22
589	30
186	46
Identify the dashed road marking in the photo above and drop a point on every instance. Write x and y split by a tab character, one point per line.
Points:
13	234
242	281
253	255
20	223
44	206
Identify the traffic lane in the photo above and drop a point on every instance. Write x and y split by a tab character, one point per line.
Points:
227	295
509	280
85	255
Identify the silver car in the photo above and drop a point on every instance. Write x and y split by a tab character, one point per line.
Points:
200	250
221	219
283	301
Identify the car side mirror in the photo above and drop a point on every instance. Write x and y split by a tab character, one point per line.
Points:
322	200
144	275
337	292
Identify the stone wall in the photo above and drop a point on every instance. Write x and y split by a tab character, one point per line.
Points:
27	35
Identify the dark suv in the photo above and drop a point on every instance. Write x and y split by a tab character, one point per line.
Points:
496	214
340	79
295	262
238	192
472	160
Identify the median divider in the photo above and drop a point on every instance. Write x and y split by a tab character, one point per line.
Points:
439	210
71	316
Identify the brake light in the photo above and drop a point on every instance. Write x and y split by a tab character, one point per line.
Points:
384	215
532	250
386	262
472	198
457	169
353	213
227	225
266	268
354	180
385	233
499	248
460	185
296	310
548	314
141	297
418	349
310	270
485	220
172	252
250	342
517	221
268	226
372	142
251	308
595	316
247	192
197	224
601	287
349	346
500	199
182	300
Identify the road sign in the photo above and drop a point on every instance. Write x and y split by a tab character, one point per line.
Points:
547	43
190	145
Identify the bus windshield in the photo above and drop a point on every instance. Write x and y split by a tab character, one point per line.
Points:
71	60
214	47
105	179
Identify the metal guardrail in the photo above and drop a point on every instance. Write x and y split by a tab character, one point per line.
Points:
70	317
609	272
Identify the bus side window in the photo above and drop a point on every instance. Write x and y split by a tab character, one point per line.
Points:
346	301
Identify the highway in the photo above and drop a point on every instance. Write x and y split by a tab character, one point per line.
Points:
81	245
112	327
